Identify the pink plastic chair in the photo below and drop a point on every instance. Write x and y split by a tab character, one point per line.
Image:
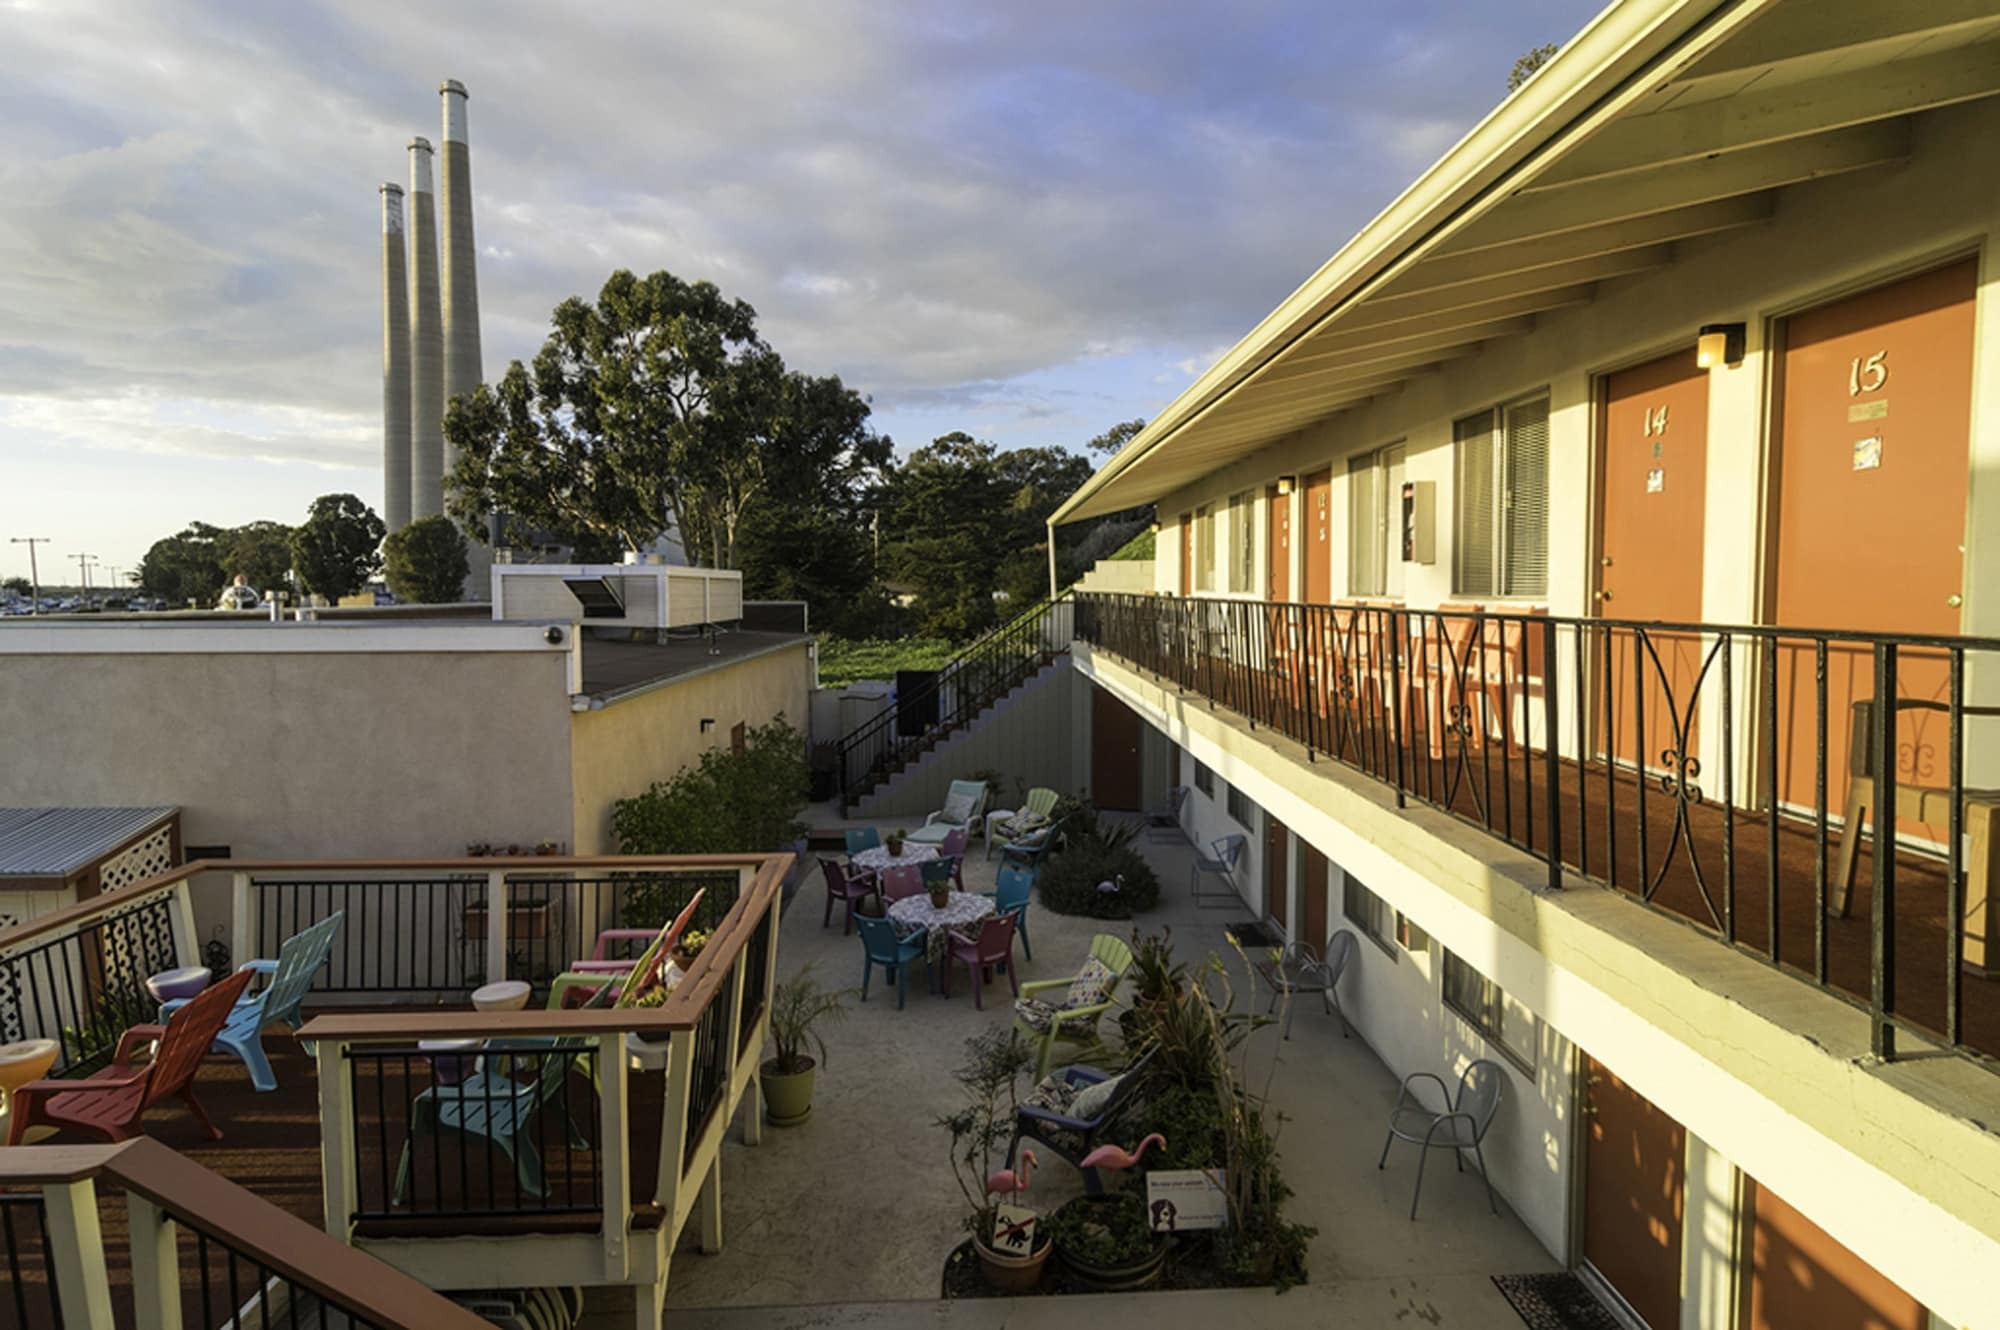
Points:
993	946
846	888
901	881
953	849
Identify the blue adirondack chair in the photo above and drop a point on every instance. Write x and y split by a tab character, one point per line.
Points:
494	1108
1010	895
881	946
278	1002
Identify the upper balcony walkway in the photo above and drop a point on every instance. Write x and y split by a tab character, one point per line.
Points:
1714	772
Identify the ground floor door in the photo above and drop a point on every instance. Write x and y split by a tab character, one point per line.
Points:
1277	873
1654	429
1796	1277
1873	452
1634	1196
1312	899
1115	777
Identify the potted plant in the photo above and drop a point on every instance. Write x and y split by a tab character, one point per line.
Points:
1106	1242
689	947
893	842
981	1132
797	1007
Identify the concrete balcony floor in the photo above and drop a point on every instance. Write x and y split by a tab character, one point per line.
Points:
847	1219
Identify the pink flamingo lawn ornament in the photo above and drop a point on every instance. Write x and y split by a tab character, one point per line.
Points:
1117	1160
1012	1181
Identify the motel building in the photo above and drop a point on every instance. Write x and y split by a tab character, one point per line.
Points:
1554	591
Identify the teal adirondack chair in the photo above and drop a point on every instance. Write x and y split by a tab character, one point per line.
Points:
492	1106
278	1002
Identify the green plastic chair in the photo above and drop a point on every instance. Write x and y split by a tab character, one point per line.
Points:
1072	1025
1008	825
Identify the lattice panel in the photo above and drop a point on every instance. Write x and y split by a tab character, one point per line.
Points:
149	858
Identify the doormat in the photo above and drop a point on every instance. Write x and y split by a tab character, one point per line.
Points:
1251	935
1555	1302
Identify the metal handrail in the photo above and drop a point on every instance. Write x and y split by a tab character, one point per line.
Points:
1018	647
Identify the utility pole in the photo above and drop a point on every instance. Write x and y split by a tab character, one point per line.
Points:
83	571
34	572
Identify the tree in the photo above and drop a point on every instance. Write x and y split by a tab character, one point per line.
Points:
20	586
1115	438
336	551
260	552
1524	68
186	566
425	561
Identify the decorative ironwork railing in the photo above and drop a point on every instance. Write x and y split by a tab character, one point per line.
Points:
970	682
1729	775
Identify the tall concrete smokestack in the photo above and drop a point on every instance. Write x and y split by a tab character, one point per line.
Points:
462	370
426	342
395	362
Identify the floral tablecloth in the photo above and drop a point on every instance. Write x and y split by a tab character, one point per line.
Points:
961	910
879	858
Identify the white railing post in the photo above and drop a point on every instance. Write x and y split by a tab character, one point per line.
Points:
156	1285
181	903
496	925
614	1136
76	1255
674	1128
710	1205
242	921
338	1169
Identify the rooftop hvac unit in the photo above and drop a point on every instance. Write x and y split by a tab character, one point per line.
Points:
617	595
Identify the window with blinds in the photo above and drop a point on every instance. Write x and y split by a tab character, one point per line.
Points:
1366	573
1502	464
1243	528
1204	549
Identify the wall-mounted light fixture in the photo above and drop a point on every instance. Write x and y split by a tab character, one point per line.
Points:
1286	484
707	724
1719	344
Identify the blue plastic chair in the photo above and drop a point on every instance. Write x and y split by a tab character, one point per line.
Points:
490	1106
289	977
880	945
1010	895
862	838
936	871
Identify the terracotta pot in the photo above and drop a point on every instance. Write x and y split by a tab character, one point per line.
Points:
1012	1274
787	1098
940	897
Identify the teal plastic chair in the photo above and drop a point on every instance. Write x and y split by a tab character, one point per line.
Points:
289	979
1013	888
499	1110
880	945
862	838
936	871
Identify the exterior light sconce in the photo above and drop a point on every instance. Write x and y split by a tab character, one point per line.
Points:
1719	344
1286	484
707	724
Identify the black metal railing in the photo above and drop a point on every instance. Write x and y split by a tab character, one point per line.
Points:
83	986
29	1301
232	1287
714	1056
756	977
421	936
969	683
503	1126
1728	775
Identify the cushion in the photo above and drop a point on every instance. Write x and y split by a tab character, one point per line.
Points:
958	809
1092	1100
1090	986
1034	1013
1055	1093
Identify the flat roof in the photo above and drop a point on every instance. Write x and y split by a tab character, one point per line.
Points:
614	669
56	842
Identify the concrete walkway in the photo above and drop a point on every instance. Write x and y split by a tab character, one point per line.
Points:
846	1220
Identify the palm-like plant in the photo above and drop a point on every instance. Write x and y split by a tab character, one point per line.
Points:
797	1007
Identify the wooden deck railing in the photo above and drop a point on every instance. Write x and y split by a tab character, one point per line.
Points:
202	1251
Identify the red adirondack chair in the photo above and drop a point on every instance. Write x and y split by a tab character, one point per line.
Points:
111	1104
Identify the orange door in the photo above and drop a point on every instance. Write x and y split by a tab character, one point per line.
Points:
1277	872
1874	446
1634	1193
1655	478
1319	538
1278	555
1187	553
1799	1278
1312	899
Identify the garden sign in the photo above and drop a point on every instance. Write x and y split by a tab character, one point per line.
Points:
1181	1199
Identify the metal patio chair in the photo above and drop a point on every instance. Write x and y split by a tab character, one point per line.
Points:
1296	970
1459	1126
1228	852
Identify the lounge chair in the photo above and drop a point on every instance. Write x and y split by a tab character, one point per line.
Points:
963	804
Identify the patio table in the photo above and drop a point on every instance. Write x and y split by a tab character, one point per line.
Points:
875	860
960	909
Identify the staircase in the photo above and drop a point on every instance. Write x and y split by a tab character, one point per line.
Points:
971	684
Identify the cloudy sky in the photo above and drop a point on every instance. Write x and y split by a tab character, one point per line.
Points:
1021	218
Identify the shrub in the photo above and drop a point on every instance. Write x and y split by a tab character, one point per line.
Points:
425	563
1094	851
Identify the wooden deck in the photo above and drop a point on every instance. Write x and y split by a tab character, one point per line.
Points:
271	1146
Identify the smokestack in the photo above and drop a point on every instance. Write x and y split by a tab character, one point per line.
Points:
395	363
462	370
426	343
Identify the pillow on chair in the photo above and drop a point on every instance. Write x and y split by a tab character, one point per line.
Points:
1092	1100
1090	986
957	809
